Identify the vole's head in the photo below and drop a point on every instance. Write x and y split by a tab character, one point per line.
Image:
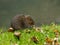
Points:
29	21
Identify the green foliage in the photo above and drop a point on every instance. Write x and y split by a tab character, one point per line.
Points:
8	38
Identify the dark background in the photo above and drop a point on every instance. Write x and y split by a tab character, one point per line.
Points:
42	11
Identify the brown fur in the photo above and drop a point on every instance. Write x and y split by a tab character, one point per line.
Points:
21	22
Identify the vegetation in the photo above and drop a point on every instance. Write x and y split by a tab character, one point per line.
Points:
8	38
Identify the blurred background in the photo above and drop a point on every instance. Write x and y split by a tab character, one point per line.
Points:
42	11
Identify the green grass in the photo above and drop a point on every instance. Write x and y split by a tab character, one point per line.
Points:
8	38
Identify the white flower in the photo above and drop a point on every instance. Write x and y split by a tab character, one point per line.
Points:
15	44
44	43
56	38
